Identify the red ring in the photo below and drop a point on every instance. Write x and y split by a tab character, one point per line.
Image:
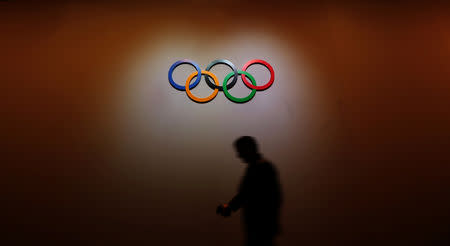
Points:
262	87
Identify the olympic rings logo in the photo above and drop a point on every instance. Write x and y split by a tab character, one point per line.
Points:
225	87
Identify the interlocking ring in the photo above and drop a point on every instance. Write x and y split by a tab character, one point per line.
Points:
225	86
197	99
262	87
229	64
176	64
236	99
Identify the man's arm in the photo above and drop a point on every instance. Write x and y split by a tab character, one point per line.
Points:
240	198
236	202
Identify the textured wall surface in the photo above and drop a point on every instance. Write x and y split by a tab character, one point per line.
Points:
99	149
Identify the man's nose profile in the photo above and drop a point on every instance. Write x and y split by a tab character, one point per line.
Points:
258	195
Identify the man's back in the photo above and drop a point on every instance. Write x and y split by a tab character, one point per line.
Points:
259	196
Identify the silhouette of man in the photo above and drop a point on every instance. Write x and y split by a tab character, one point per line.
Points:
259	195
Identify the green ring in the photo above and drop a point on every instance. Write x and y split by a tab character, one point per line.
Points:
237	99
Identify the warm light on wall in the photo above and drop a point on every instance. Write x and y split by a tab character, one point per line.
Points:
153	113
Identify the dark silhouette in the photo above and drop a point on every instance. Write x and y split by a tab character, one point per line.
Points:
259	196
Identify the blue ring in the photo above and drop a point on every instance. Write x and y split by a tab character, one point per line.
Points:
184	61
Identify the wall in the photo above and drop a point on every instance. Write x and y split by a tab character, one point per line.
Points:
99	148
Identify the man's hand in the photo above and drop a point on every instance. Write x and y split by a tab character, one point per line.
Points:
224	210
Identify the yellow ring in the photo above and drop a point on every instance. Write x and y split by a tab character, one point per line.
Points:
198	99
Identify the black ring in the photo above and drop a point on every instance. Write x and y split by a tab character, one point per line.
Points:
229	64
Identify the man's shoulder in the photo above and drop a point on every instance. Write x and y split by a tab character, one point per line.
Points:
266	165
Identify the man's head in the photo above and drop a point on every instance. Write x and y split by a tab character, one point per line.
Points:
247	149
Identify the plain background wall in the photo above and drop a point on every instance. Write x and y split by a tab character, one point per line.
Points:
100	149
